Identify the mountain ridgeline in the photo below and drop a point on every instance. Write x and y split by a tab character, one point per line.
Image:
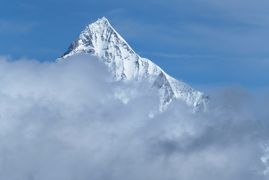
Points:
100	39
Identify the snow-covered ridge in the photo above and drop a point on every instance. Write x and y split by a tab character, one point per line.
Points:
101	39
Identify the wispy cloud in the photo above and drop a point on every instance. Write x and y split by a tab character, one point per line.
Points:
11	27
178	56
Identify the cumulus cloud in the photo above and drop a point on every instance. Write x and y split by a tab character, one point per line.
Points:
69	120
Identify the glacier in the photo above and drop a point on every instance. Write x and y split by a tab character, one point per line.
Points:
101	40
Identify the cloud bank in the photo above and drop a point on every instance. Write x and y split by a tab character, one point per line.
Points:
70	121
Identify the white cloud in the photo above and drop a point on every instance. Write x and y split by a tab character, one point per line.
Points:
62	121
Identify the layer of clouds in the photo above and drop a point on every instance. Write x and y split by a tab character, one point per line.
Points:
70	121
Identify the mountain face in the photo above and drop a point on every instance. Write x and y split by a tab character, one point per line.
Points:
100	39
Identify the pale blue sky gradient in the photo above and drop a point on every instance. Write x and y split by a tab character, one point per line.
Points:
203	42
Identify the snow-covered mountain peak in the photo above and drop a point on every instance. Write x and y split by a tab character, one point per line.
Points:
103	20
100	39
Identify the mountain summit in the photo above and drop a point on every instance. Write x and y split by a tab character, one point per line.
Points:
100	39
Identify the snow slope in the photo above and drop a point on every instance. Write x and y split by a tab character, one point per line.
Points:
100	39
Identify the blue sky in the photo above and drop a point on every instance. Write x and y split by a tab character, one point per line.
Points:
203	42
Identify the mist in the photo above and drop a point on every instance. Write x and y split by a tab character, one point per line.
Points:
70	121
